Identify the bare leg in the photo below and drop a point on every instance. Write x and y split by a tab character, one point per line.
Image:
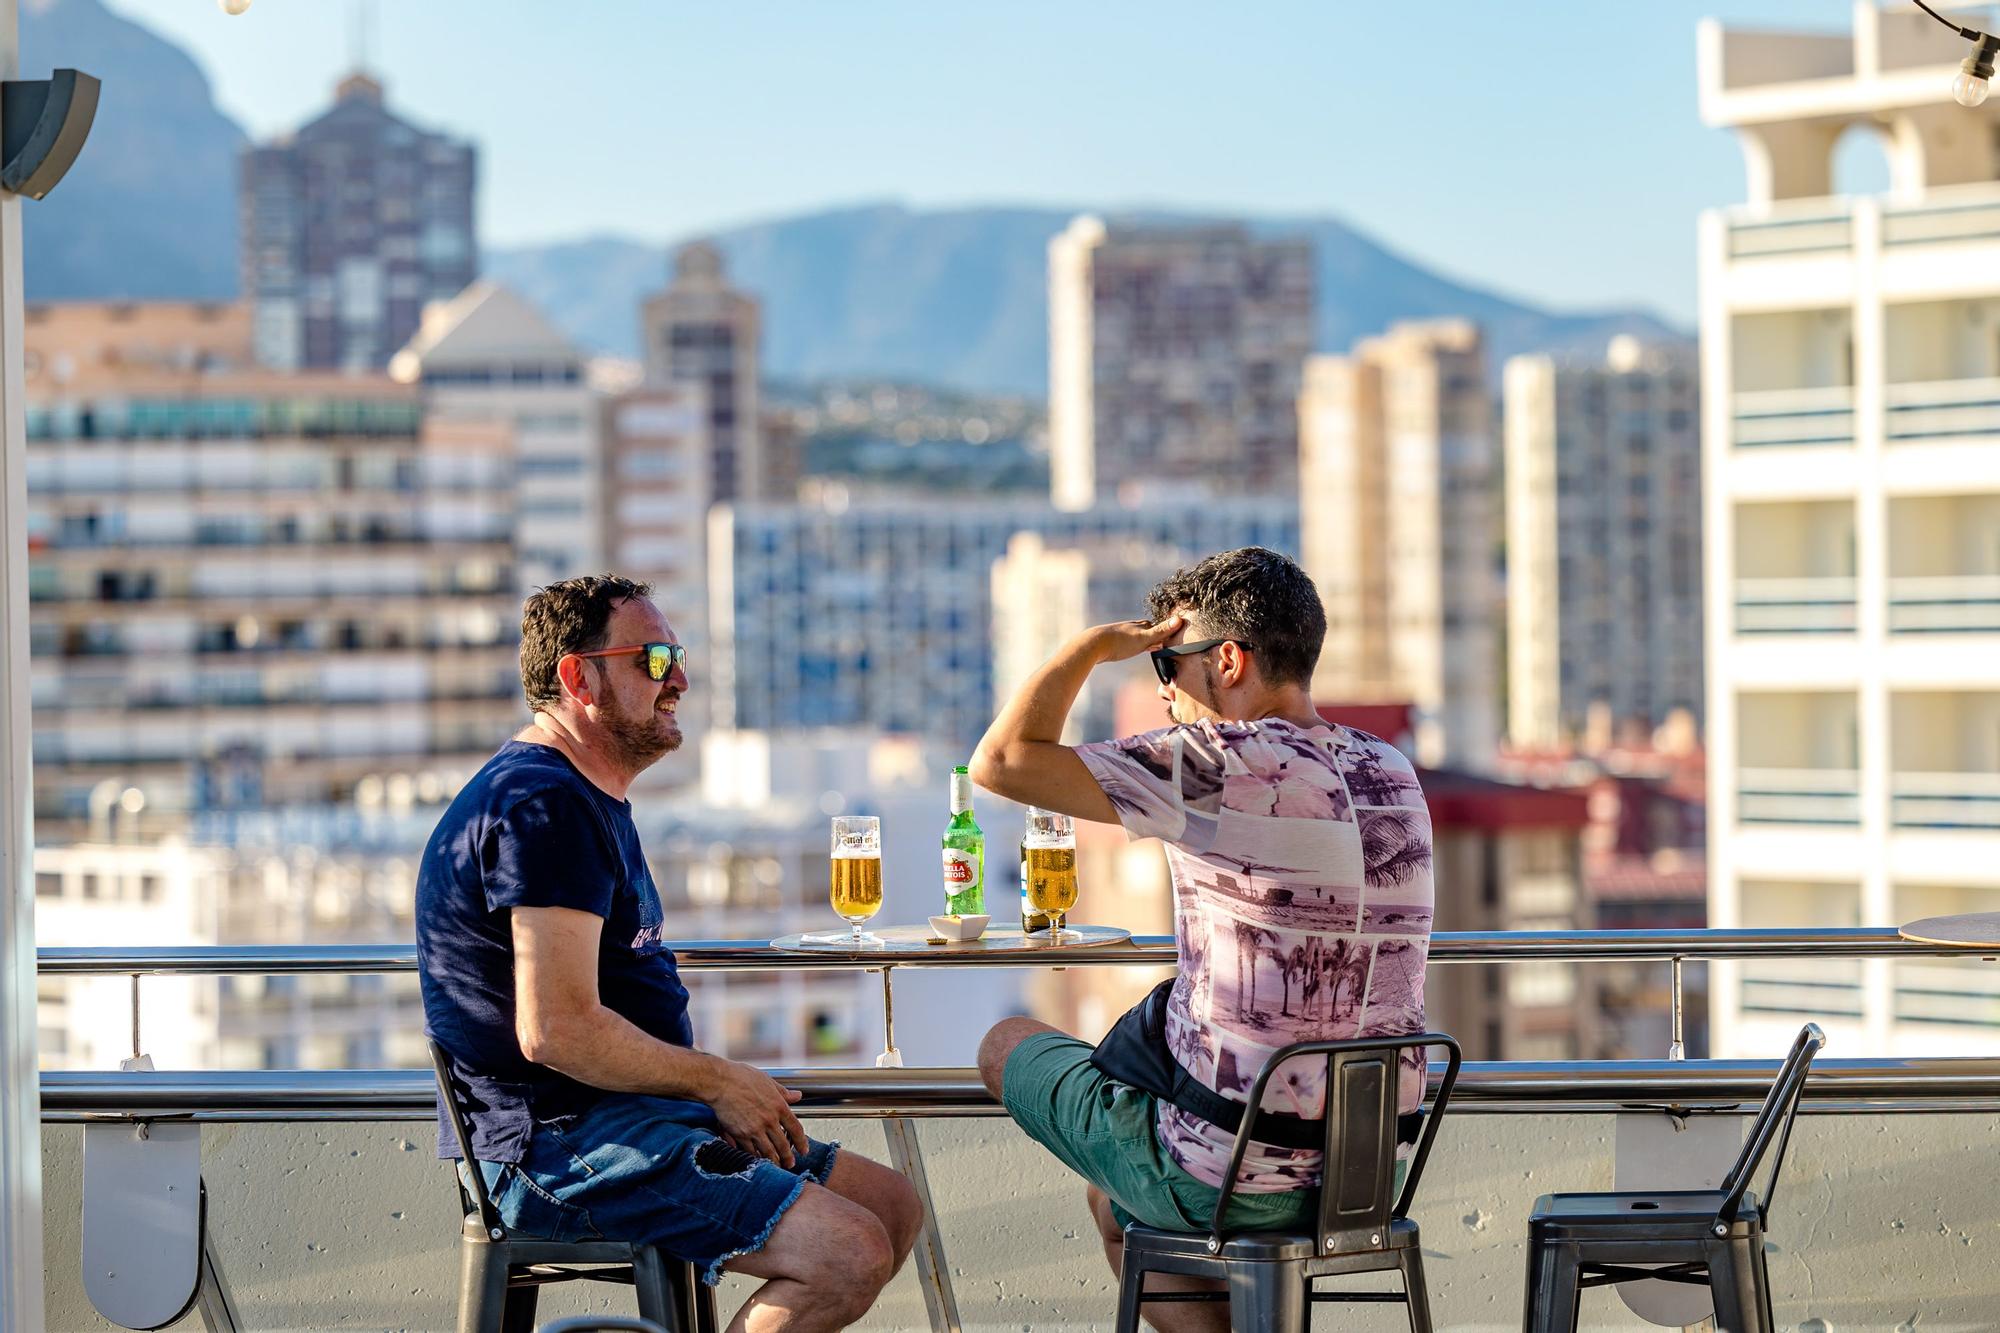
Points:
826	1261
884	1192
999	1043
1175	1317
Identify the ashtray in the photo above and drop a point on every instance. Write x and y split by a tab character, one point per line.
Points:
959	929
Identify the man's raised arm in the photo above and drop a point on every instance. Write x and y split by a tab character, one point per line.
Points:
1022	757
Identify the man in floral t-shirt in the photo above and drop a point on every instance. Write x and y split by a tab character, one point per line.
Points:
1301	862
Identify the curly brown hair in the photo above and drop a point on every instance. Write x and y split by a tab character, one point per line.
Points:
1258	596
563	618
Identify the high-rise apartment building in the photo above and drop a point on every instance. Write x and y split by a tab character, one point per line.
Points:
879	616
1851	435
701	330
656	459
350	226
249	588
1174	356
486	355
1603	478
1399	521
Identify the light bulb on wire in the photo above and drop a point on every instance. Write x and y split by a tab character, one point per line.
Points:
1970	86
232	6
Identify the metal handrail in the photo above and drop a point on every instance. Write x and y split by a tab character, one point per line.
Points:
1469	946
1863	1086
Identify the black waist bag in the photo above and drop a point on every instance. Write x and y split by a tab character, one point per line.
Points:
1135	1051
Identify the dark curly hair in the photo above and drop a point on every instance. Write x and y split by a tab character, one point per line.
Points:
567	617
1255	595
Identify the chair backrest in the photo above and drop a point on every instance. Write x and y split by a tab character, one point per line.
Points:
1357	1195
1773	1124
489	1216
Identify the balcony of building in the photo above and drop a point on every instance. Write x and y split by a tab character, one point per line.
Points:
1795	569
1944	573
1944	785
327	1208
1792	412
1798	759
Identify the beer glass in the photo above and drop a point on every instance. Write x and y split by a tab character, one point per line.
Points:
855	882
1050	841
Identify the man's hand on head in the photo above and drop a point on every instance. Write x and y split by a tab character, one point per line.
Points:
755	1112
1124	639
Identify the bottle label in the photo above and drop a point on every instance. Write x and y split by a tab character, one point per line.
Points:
959	870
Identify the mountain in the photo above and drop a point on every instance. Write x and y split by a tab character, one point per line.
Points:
149	209
954	297
959	297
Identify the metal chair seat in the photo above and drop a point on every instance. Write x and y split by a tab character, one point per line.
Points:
1708	1238
502	1271
1258	1247
1362	1222
1588	1216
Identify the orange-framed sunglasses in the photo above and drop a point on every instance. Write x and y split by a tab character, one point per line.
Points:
659	659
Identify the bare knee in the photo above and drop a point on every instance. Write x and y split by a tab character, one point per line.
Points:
903	1214
850	1272
1100	1212
999	1043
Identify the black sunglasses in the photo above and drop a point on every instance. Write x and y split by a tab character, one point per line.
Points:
1164	658
659	659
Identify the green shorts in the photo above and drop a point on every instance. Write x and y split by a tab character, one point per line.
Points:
1105	1131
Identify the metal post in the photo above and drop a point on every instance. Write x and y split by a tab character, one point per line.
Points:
21	1306
891	1058
933	1274
1677	1048
137	1049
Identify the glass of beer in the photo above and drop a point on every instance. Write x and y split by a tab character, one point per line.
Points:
855	883
1050	842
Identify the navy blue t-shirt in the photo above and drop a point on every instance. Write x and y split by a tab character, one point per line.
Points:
529	830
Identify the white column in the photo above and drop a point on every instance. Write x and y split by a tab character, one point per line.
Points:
1871	589
20	1084
1719	595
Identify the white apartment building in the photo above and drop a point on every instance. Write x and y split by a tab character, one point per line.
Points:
1174	355
488	356
250	588
1400	527
1603	484
1851	424
879	616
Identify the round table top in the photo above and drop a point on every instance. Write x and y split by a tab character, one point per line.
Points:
1973	929
907	940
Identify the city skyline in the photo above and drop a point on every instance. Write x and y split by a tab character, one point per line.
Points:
758	129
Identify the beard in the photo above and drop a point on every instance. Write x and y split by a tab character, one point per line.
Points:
641	740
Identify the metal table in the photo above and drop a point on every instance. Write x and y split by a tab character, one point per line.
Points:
913	946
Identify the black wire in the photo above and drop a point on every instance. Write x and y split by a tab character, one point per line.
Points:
1970	34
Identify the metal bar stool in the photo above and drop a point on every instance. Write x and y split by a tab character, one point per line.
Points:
1363	1224
501	1275
1712	1238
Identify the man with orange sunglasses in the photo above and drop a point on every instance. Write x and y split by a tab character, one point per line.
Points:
547	983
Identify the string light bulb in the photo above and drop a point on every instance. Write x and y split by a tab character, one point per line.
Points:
232	6
1970	85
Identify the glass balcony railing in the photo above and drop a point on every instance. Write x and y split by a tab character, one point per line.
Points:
1813	226
1776	417
1830	796
1883	1145
1957	604
1795	606
1952	213
1945	800
1942	409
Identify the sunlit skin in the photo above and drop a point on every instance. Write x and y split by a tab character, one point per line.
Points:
837	1246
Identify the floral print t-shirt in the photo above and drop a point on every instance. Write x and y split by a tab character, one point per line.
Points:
1301	861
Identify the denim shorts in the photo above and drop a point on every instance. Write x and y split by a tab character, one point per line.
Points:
650	1170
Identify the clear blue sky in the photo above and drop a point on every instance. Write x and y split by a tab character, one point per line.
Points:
1548	148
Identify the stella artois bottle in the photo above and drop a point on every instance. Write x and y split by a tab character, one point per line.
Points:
964	852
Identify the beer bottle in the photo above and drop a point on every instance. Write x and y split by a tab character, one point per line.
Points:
964	852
